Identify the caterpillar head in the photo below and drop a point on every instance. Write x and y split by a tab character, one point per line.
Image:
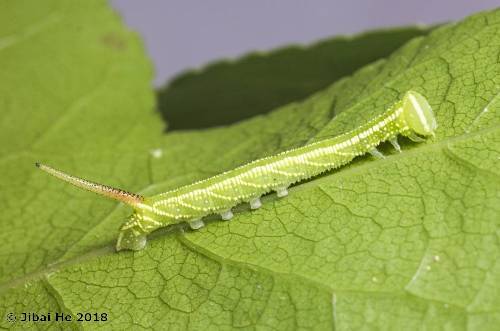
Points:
418	114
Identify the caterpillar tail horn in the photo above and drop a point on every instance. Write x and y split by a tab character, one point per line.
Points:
104	190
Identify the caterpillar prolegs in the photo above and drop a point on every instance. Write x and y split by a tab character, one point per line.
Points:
411	117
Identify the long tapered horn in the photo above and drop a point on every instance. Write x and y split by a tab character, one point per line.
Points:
131	199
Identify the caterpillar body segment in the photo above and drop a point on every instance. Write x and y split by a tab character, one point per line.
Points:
412	117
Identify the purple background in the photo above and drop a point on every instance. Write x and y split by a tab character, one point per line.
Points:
182	34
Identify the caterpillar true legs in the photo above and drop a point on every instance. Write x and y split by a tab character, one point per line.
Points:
411	117
395	144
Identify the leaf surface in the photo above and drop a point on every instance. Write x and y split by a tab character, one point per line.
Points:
404	243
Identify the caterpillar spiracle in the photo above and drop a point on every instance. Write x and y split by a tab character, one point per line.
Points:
411	117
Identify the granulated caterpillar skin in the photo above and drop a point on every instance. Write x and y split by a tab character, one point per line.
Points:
411	116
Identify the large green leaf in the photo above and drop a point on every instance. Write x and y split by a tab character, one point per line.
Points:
74	91
404	243
228	91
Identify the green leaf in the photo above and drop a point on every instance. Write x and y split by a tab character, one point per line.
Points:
408	242
74	92
229	91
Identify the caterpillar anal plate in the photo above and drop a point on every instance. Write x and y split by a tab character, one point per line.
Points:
196	224
255	203
227	215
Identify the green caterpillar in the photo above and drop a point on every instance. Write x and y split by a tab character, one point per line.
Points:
412	117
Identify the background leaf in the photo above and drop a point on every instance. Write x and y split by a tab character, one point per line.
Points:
404	243
74	92
229	91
